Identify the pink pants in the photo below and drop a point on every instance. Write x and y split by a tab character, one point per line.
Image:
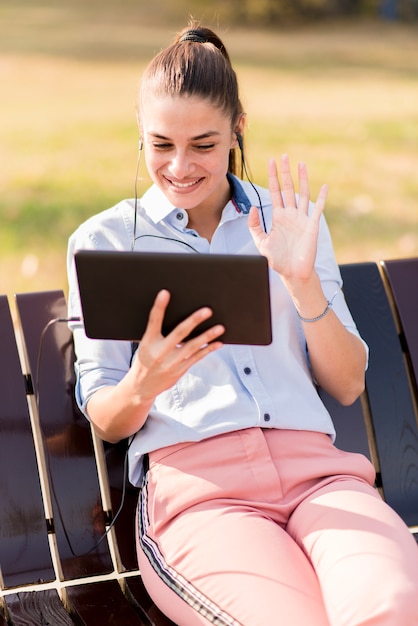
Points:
270	527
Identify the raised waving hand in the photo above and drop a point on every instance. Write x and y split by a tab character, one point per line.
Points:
291	244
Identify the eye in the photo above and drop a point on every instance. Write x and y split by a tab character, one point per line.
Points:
162	146
205	146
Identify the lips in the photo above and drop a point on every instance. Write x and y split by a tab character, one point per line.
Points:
183	185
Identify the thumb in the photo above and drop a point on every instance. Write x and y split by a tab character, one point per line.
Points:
254	225
320	203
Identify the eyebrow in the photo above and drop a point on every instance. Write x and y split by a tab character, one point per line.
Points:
206	135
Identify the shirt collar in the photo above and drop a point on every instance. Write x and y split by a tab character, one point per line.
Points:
157	207
239	197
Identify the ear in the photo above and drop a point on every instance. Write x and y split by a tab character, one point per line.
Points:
241	124
139	121
239	129
140	141
240	141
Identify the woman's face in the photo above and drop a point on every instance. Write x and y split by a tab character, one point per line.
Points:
187	143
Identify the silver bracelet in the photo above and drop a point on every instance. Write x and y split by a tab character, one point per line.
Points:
309	320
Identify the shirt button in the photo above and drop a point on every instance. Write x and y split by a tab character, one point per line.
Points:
266	417
247	370
179	216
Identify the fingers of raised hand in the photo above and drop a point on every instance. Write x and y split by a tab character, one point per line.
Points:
274	185
288	197
287	182
304	195
322	198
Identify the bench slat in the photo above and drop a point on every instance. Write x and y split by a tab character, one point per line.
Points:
403	279
125	523
349	423
135	587
3	621
104	603
388	392
79	521
24	548
37	608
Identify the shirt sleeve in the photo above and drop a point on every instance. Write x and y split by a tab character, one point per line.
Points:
99	363
331	280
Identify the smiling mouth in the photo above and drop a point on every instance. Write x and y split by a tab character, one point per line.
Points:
178	185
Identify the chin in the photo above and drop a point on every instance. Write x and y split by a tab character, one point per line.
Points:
185	201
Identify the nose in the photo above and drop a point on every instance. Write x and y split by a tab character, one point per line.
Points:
180	165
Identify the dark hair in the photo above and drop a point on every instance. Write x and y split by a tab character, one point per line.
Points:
197	64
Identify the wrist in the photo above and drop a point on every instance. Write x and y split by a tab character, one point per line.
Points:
310	320
308	298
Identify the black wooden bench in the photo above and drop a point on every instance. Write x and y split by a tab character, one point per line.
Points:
67	549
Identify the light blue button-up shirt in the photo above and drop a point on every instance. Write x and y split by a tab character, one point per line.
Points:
235	387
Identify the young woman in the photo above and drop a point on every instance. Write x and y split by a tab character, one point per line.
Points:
248	515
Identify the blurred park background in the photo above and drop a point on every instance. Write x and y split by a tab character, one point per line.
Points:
333	83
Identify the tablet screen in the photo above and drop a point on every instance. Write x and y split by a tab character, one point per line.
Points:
117	290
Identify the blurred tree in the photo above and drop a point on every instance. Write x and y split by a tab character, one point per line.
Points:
388	9
407	9
399	9
276	12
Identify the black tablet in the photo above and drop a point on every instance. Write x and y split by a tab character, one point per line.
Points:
117	290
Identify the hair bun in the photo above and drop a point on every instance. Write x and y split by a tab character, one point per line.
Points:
193	35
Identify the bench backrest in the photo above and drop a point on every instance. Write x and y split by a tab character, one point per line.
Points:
382	425
402	276
388	393
78	516
25	556
59	414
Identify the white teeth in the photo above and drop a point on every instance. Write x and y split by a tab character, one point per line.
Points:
183	185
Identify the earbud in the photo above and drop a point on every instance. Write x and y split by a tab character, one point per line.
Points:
140	146
244	167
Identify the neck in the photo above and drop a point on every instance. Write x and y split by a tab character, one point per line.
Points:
205	225
205	217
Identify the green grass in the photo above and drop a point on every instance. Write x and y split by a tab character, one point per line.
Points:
342	97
